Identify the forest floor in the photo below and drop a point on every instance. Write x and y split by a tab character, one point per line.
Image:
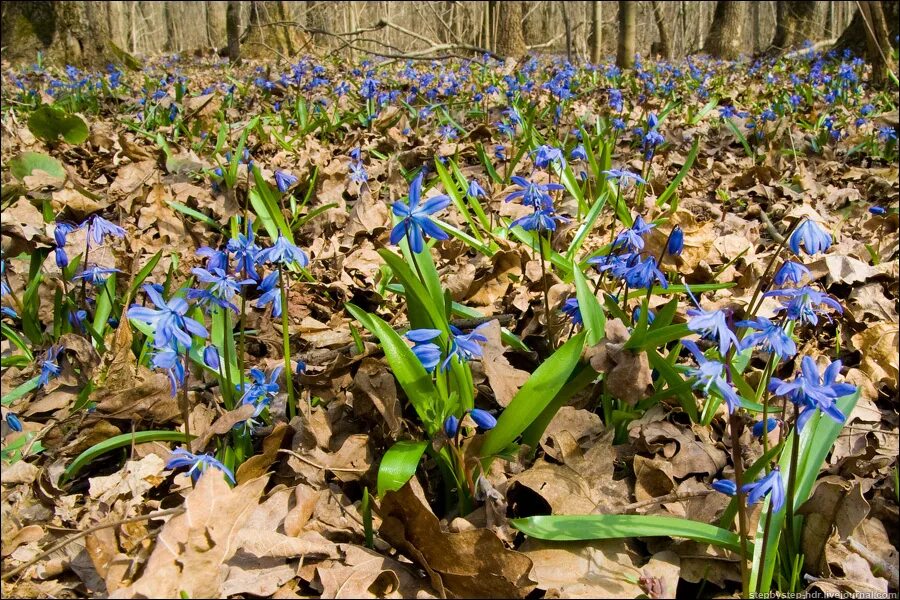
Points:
379	481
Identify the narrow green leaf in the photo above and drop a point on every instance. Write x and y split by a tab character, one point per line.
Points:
688	163
569	528
537	392
19	391
120	441
591	310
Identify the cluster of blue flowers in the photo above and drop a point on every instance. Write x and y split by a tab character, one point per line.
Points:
809	390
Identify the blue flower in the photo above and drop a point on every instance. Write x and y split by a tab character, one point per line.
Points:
769	337
545	155
763	426
812	236
284	180
624	176
475	190
803	303
259	391
4	285
643	273
245	252
710	377
811	392
539	220
676	241
428	353
270	293
712	324
169	360
790	272
211	357
725	486
13	421
99	228
221	286
578	153
571	309
49	365
877	210
633	238
167	319
358	173
415	221
197	463
451	426
770	484
283	252
535	195
97	276
61	232
483	418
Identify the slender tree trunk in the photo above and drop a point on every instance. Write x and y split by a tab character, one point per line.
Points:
725	38
795	22
510	38
665	47
233	30
627	34
596	31
568	25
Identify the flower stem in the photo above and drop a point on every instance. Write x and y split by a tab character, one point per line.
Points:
547	314
185	406
735	424
286	341
227	336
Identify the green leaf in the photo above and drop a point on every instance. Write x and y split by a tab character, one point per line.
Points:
816	440
591	310
265	204
120	441
398	465
19	391
196	214
585	228
569	528
421	304
537	392
143	274
413	377
48	123
689	161
27	162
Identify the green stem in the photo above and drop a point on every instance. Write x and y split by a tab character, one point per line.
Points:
286	341
547	314
227	336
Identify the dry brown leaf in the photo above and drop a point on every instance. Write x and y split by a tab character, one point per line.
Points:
193	547
504	379
627	374
363	573
470	564
258	464
878	346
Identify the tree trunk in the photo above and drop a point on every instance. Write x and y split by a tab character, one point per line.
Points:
568	25
596	31
795	22
855	36
75	33
627	34
725	37
233	30
171	44
665	47
510	38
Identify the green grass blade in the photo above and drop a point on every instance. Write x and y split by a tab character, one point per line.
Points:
570	528
120	441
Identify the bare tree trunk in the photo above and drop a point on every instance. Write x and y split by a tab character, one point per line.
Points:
233	30
568	26
795	22
855	35
596	31
665	47
627	34
510	38
74	33
725	36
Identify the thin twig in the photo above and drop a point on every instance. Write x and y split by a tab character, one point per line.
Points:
324	467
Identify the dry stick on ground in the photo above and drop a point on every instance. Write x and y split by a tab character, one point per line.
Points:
81	534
